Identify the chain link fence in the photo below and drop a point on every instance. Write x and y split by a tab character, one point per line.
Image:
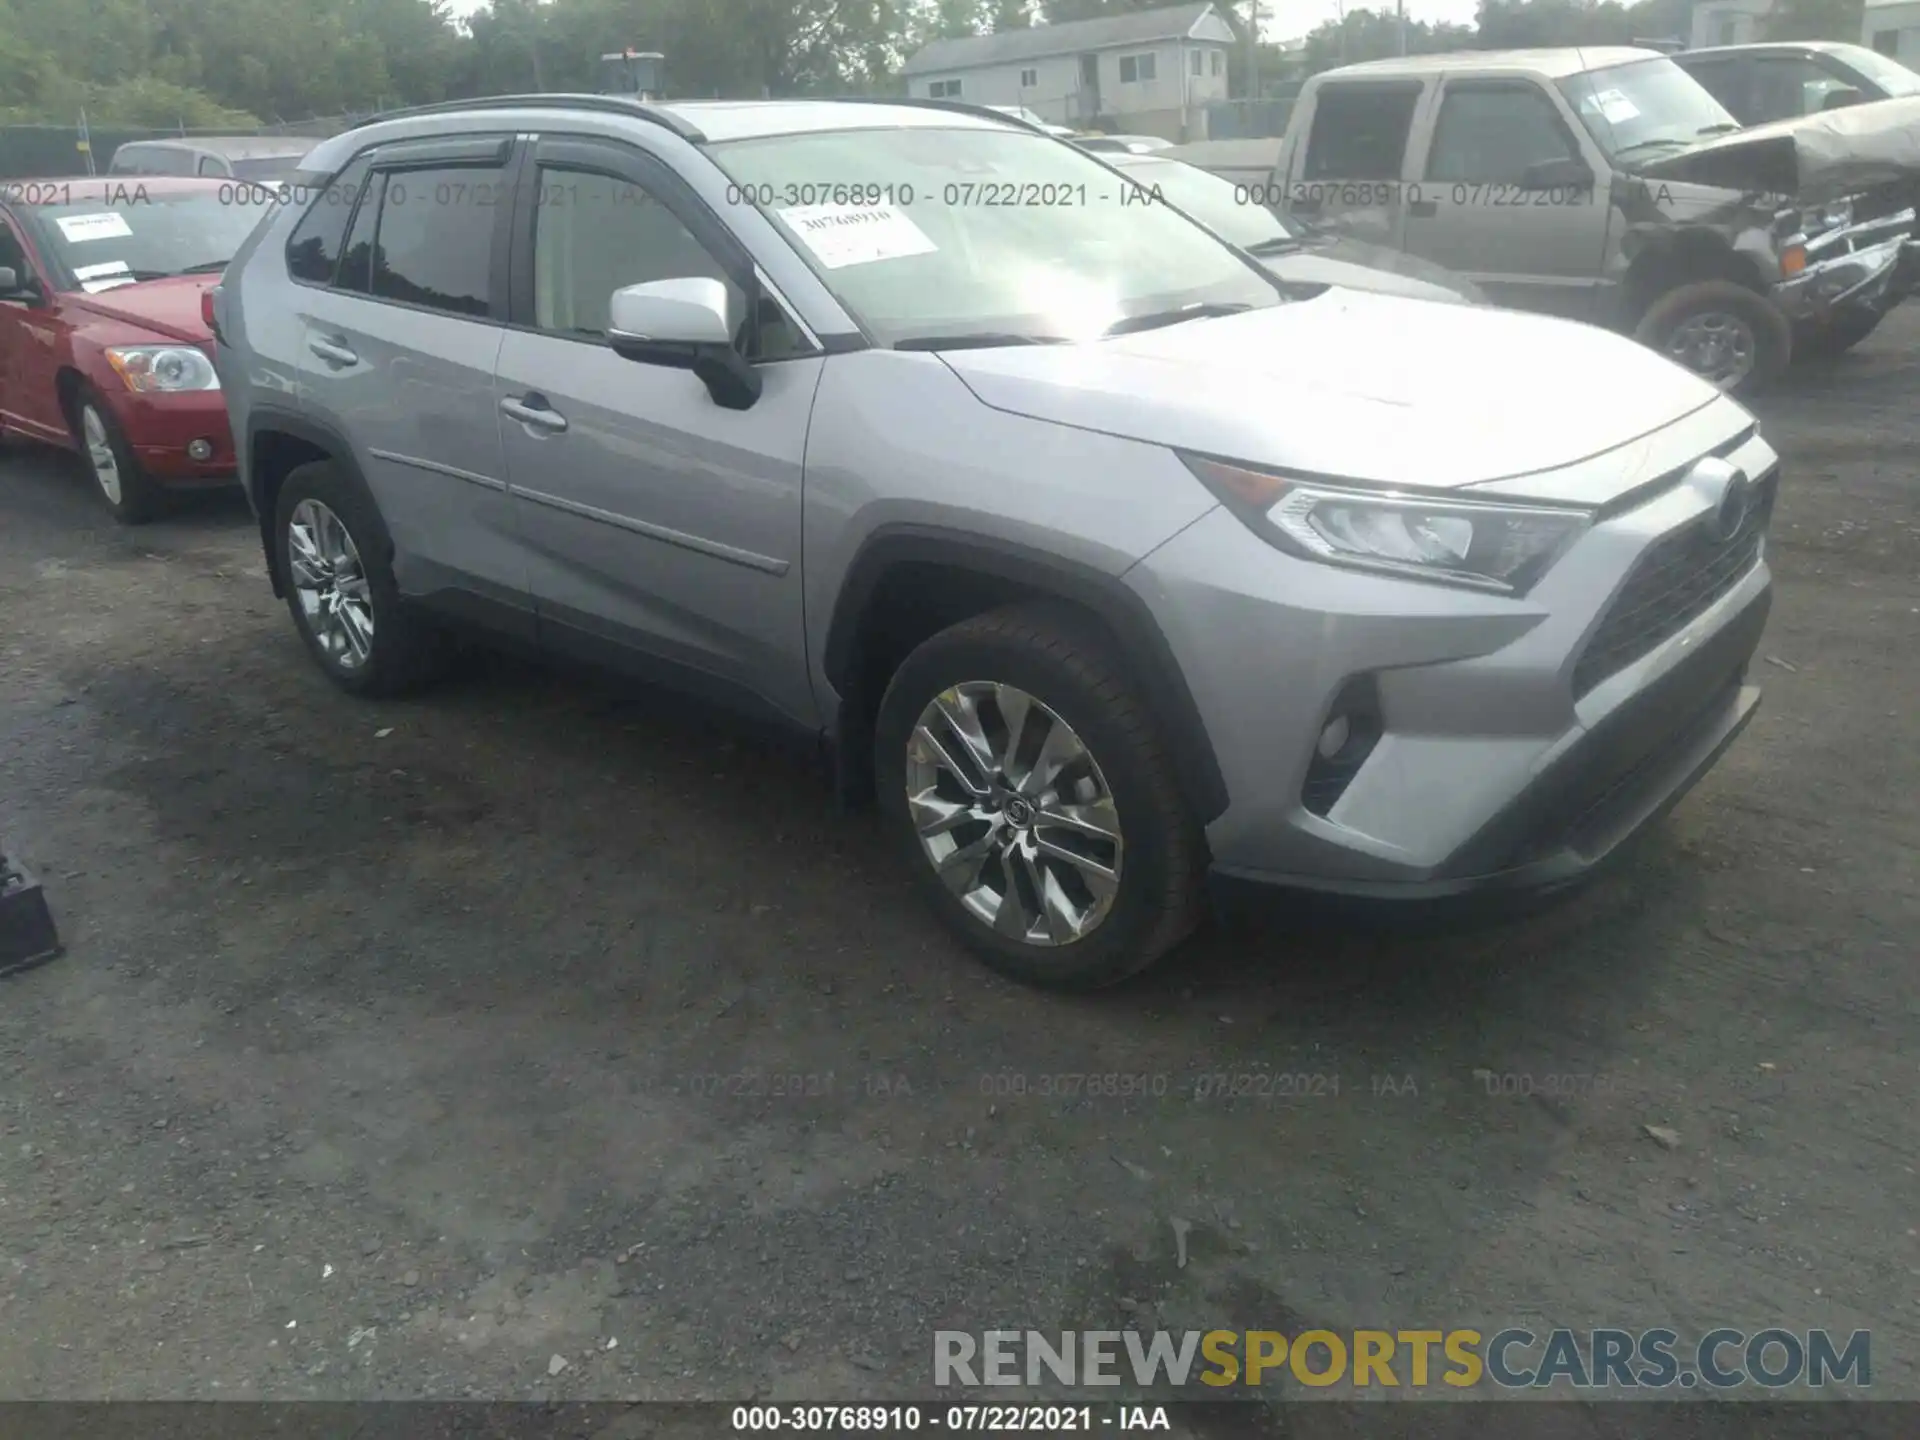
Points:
29	152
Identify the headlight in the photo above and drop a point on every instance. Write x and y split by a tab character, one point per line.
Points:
1822	218
1497	547
162	367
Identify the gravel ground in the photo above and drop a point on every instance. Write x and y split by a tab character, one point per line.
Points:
402	1049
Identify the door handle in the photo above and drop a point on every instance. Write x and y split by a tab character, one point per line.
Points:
1423	207
532	409
333	352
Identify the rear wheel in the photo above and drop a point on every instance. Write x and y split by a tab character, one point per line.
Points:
1033	796
1726	334
334	553
130	493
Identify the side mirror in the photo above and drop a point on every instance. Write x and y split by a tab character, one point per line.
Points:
1571	173
1841	99
682	324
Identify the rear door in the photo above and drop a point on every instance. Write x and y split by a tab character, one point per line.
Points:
1347	170
398	355
1475	211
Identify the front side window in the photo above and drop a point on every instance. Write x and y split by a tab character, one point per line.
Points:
433	244
145	232
1360	132
1494	134
1644	109
935	232
212	165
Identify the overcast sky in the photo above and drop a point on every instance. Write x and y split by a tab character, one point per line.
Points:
1286	19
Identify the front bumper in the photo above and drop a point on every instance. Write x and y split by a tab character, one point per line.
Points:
1869	267
160	428
1502	762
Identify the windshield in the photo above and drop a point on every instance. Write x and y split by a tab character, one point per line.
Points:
143	233
1227	209
1646	108
925	232
1889	74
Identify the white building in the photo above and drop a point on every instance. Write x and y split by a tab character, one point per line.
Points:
1152	72
1893	28
1728	22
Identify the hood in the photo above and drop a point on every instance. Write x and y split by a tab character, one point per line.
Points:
1360	266
169	307
1813	159
1355	386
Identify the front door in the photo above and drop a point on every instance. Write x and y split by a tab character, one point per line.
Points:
662	531
1473	210
399	353
29	403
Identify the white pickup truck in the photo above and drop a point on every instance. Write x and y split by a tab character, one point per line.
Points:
1607	185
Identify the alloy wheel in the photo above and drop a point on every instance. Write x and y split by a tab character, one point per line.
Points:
1716	346
100	455
330	583
1014	814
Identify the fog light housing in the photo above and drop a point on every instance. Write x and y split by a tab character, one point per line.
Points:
200	449
1352	728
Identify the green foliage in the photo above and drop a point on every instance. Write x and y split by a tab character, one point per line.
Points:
211	63
1815	20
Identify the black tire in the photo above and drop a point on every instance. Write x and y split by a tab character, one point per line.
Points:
1836	337
124	487
1067	664
1768	332
406	651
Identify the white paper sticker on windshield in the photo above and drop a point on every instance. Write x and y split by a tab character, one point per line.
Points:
106	282
857	234
104	226
106	267
1613	107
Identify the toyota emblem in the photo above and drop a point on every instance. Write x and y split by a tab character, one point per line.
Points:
1733	502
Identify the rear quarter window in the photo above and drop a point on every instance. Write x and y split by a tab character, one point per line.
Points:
1360	131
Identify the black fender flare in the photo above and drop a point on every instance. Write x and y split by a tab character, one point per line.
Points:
1106	596
265	420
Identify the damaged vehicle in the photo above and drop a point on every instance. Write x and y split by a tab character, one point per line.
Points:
1608	185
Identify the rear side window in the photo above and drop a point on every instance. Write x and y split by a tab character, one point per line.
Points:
313	250
434	242
1360	132
356	264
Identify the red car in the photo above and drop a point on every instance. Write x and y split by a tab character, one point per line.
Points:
105	346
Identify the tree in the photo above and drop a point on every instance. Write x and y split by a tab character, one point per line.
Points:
1815	20
1375	35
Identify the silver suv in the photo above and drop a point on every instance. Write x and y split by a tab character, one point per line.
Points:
1105	559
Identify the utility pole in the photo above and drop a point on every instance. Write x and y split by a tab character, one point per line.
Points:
1253	49
1403	28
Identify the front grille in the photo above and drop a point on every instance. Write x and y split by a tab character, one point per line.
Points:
1676	581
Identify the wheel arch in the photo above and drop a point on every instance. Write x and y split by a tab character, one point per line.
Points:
908	582
1685	257
278	441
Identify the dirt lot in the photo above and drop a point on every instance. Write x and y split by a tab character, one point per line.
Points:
384	1057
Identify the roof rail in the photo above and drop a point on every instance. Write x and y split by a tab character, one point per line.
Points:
606	104
958	107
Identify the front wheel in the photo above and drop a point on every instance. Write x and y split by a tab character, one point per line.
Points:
1031	792
1725	333
130	493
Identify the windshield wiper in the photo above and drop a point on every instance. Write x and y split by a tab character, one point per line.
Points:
977	341
205	267
1278	245
1156	319
1649	144
1720	127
